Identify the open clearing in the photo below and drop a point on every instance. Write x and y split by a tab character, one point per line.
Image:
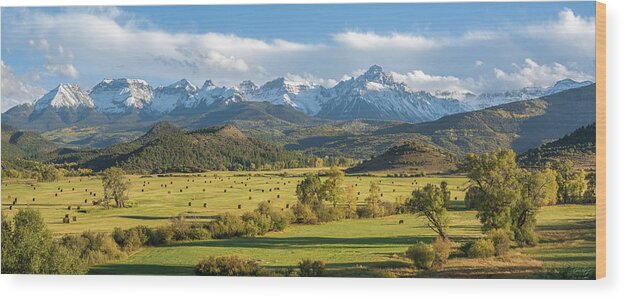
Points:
161	198
372	248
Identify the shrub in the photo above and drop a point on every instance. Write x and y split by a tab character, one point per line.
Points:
131	239
229	225
371	211
265	219
501	241
329	214
481	248
421	254
310	268
261	223
229	265
442	250
160	235
198	233
525	236
95	248
389	208
304	214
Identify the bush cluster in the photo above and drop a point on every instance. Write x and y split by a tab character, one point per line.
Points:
259	222
422	255
229	226
481	248
310	268
501	241
94	248
442	250
265	219
230	265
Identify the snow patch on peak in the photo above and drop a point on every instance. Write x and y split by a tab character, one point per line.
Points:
65	95
185	84
247	87
376	74
303	96
121	95
208	84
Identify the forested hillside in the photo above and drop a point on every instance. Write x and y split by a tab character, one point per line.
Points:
166	148
579	147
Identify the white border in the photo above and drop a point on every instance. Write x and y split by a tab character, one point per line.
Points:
72	287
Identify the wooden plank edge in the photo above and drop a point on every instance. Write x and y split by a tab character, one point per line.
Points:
600	75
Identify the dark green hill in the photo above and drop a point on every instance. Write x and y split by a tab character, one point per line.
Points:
579	147
409	157
166	148
18	144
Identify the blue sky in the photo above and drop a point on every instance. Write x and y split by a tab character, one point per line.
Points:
474	47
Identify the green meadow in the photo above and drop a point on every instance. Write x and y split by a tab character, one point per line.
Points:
355	247
156	199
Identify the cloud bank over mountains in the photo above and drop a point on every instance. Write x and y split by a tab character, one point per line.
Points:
85	45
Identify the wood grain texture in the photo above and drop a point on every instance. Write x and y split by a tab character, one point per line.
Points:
600	35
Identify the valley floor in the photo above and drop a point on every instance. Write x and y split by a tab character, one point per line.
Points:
373	248
355	248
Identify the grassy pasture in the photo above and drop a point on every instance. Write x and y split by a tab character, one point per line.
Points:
156	203
360	248
373	247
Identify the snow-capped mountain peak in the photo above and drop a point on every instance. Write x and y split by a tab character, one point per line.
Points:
184	84
376	95
247	87
208	84
178	94
490	99
565	84
376	74
209	94
65	95
121	95
303	96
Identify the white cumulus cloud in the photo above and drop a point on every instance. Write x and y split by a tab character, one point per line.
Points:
371	40
16	89
66	70
570	30
419	80
531	73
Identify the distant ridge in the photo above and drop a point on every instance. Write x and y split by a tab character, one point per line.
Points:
578	146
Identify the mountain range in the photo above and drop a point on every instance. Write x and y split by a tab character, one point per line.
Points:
371	95
529	126
519	125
